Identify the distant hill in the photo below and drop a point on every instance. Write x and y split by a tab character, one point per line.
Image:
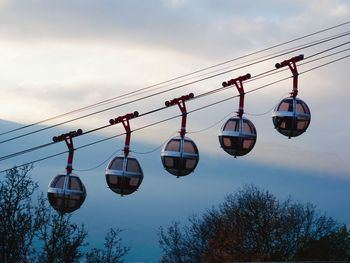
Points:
6	125
163	198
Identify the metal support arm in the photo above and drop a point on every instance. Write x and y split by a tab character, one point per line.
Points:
182	106
68	138
238	82
291	63
125	120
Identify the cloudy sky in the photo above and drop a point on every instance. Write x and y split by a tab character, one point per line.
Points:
58	56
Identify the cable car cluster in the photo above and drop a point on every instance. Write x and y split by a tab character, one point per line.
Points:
123	173
238	135
180	155
66	191
292	116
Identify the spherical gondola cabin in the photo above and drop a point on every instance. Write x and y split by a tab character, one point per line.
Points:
237	136
291	117
66	192
124	175
180	156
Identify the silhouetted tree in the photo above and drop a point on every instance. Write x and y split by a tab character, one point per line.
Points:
57	239
252	225
172	242
20	220
332	247
62	240
113	251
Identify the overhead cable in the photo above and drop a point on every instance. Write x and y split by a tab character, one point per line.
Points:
177	78
161	121
184	85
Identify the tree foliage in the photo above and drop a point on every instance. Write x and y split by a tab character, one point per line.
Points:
252	225
113	251
62	240
25	221
20	220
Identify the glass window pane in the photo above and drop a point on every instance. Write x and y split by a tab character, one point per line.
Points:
117	164
189	147
231	125
301	124
306	108
173	145
134	181
300	108
133	166
113	179
74	197
74	183
73	201
190	163
286	106
231	142
169	162
285	123
248	143
59	202
227	142
58	182
246	127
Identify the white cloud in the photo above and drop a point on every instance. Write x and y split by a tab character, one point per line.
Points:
175	3
184	26
64	55
341	10
3	3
